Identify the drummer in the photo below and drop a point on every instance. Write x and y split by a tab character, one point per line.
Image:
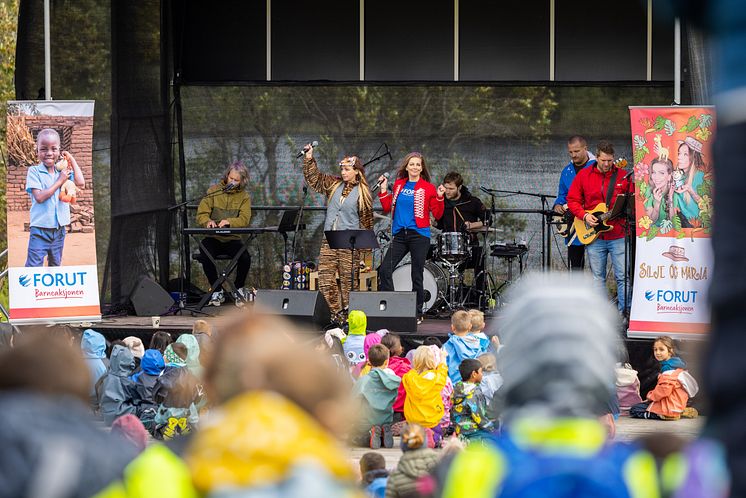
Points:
465	213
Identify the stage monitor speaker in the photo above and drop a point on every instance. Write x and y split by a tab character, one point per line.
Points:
396	311
149	299
300	306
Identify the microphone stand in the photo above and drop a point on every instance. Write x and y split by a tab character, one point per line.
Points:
297	227
183	254
546	234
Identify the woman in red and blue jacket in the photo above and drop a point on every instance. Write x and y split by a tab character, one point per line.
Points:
413	200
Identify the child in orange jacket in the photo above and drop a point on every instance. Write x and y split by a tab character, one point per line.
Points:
675	386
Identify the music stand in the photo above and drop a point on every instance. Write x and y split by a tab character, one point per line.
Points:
351	239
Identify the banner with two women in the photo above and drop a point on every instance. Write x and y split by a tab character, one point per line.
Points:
672	149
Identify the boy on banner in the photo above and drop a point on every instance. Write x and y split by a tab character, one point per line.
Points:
49	215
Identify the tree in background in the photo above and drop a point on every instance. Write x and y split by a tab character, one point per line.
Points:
8	28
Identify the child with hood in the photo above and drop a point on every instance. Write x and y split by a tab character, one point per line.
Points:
374	474
378	391
118	393
93	345
469	410
400	366
136	346
424	384
192	361
355	341
176	394
152	366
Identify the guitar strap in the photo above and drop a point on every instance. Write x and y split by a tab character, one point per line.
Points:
610	190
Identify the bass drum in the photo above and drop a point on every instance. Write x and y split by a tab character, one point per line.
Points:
434	282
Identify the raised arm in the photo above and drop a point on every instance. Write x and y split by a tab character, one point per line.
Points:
318	181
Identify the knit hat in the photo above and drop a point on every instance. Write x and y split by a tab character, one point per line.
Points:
412	437
129	428
559	355
135	345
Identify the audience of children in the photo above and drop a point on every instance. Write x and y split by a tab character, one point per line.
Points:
176	394
469	410
151	368
363	367
130	429
373	474
417	462
424	385
192	360
118	395
202	331
160	340
378	391
668	401
135	345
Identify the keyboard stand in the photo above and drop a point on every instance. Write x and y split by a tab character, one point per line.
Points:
224	273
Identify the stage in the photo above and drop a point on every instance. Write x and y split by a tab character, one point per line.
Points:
118	327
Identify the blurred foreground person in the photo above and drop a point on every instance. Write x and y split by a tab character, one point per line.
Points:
51	447
278	403
558	370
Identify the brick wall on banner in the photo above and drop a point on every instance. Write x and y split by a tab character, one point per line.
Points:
76	133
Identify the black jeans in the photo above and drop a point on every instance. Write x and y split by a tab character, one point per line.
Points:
406	241
576	256
228	248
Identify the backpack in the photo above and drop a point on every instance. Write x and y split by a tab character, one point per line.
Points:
627	387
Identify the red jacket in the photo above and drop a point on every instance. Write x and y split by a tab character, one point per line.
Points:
670	396
426	201
589	189
400	366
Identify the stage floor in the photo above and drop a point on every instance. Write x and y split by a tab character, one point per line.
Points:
122	326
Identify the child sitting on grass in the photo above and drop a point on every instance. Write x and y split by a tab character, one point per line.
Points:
469	410
378	391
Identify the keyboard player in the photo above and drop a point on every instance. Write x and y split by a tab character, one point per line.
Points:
226	205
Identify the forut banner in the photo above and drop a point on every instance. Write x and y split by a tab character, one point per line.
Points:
672	149
51	226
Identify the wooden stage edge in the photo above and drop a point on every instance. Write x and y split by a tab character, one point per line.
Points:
122	326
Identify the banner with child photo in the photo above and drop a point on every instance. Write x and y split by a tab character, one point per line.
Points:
52	271
672	148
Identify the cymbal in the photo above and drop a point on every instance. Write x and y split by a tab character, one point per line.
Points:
486	230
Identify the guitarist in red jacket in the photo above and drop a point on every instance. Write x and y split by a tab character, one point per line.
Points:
592	186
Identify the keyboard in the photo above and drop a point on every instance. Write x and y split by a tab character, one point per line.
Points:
228	231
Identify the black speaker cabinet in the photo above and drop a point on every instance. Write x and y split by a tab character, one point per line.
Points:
301	306
149	299
396	311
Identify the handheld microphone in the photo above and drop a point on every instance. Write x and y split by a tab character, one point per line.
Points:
230	186
315	143
378	184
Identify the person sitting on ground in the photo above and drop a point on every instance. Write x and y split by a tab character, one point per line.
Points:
136	346
354	343
160	340
378	391
152	366
93	345
400	366
51	446
424	384
193	352
558	368
280	403
416	462
462	344
118	394
469	410
176	394
675	386
491	380
373	474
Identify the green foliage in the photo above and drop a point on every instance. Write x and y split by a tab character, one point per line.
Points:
8	28
670	127
652	232
677	223
690	125
640	154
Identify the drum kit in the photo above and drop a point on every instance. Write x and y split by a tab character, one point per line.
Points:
450	255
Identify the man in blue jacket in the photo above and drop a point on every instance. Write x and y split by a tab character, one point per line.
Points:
580	158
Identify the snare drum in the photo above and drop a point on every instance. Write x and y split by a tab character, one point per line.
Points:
453	246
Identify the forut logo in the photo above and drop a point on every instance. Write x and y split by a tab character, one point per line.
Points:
671	296
57	279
